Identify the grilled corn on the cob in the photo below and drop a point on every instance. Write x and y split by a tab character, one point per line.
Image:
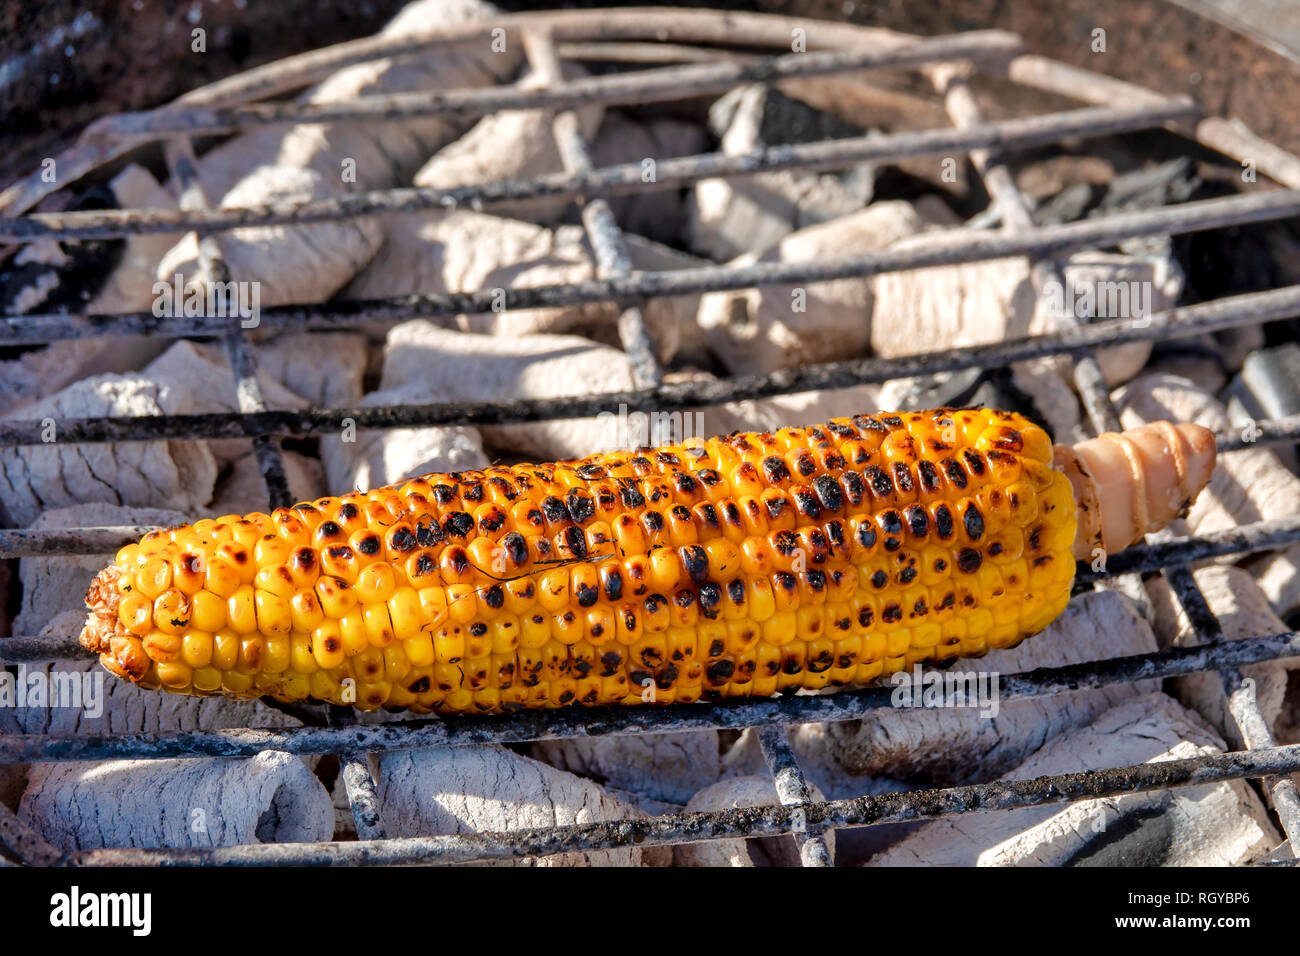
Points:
739	566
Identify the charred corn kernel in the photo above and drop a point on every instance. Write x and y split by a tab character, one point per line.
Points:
327	646
738	566
171	611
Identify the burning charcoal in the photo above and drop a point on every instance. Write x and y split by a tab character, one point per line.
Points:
54	584
752	331
1221	824
1278	576
953	745
815	750
1196	363
281	264
370	459
970	303
270	798
1272	377
243	489
449	790
35	373
511	144
204	372
469	251
177	475
1244	612
457	366
757	791
669	767
129	287
13	781
660	214
307	263
728	218
325	368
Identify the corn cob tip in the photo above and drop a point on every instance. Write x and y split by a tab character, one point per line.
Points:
1129	484
119	651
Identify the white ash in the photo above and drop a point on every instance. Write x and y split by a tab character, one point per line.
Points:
450	790
756	791
270	798
510	144
466	251
371	459
1278	576
1243	611
955	745
203	371
285	263
942	307
176	475
816	748
324	368
1222	824
51	585
753	331
1204	368
457	366
669	767
242	488
308	263
383	154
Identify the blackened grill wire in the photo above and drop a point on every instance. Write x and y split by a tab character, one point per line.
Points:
796	808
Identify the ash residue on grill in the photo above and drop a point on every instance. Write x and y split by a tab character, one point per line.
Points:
791	290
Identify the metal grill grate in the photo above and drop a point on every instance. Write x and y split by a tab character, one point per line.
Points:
675	38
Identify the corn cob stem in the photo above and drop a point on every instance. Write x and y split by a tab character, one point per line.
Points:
739	566
1128	485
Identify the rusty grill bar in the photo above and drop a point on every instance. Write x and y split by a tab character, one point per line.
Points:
549	37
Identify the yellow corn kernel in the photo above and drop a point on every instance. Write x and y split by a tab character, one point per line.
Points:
273	614
196	648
